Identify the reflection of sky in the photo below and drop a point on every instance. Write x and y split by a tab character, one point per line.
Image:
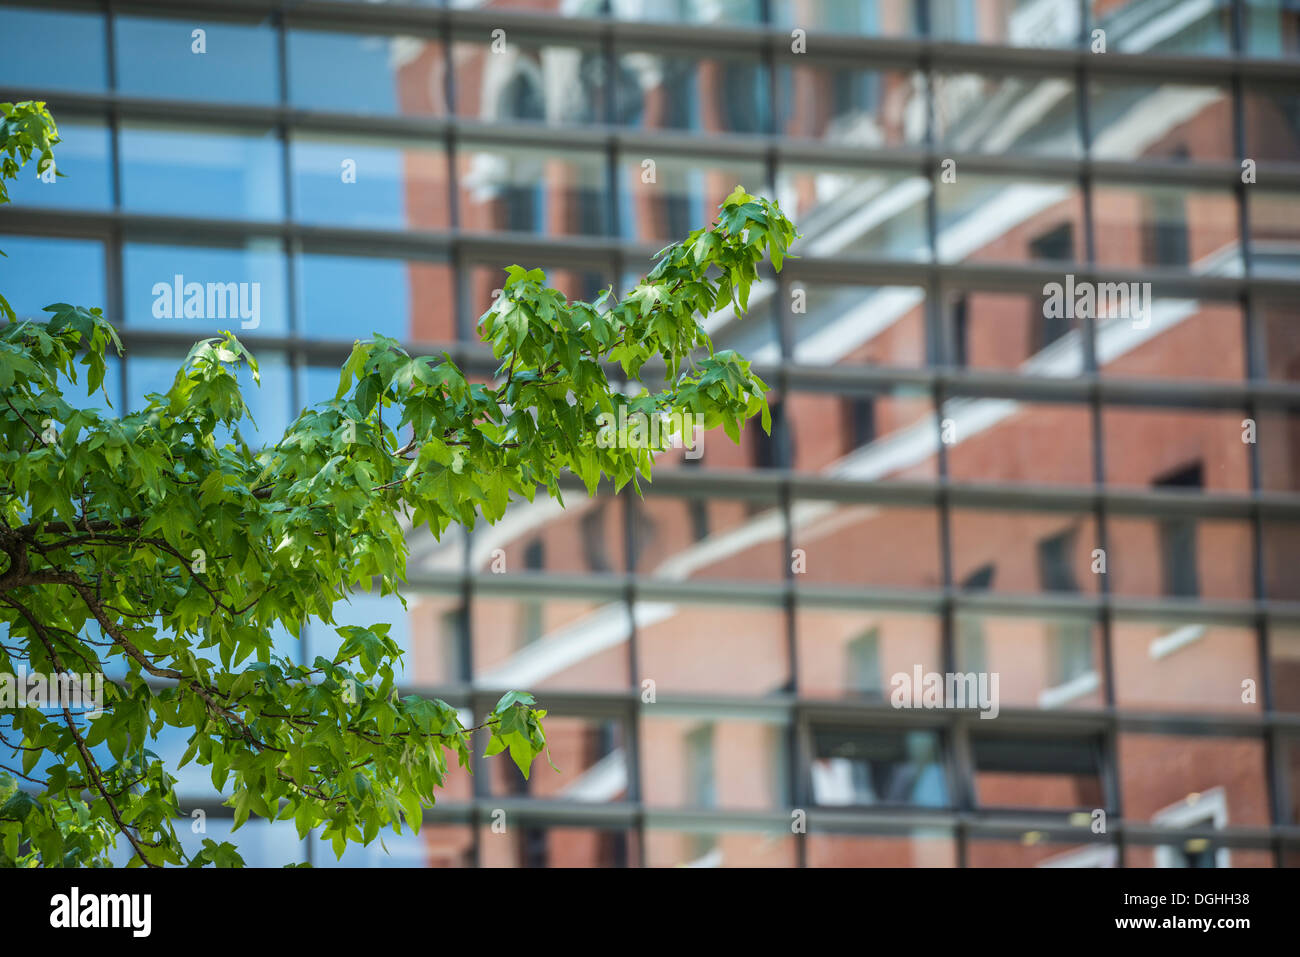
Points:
351	297
321	196
143	265
80	63
82	156
187	173
155	58
318	384
37	272
341	72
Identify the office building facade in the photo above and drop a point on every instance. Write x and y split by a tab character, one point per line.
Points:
1035	373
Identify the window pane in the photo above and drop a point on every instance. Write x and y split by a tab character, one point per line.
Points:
1054	23
1008	331
855	652
1195	852
350	297
569	643
206	290
918	848
1284	662
28	64
1135	26
1272	122
560	85
540	537
528	845
891	18
1033	850
701	848
664	198
1271	28
699	762
711	649
698	538
1037	772
1180	666
1281	546
366	73
854	213
1161	121
1193	781
854	767
1180	556
1009	440
182	59
373	183
836	324
1006	113
1048	661
40	271
658	91
842	104
1274	235
1027	552
1009	219
688	11
832	536
884	434
558	8
1166	226
222	173
531	190
1279	449
83	169
1176	449
1155	337
1279	328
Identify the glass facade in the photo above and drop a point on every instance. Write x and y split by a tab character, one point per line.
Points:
969	470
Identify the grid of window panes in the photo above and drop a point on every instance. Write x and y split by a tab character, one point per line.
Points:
969	471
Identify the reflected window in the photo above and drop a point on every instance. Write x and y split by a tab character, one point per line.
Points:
859	422
701	790
1166	230
863	664
1037	772
1178	538
594	538
859	767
